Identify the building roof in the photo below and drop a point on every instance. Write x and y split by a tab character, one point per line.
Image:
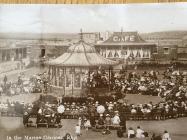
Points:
182	50
125	38
81	54
164	35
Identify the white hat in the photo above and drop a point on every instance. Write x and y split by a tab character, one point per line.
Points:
107	115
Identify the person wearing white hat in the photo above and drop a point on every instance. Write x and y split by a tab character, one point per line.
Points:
96	104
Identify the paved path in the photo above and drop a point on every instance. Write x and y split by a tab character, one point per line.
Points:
13	127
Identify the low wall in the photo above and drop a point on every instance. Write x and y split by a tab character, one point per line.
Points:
59	92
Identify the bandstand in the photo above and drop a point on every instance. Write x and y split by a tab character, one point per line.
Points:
69	74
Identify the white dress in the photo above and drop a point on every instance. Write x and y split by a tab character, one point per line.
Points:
130	132
116	120
77	130
166	136
139	133
87	124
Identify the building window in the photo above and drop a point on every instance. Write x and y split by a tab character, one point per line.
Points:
124	52
77	78
145	54
3	55
156	50
110	54
24	52
61	77
131	54
42	52
104	54
68	78
166	50
116	54
138	54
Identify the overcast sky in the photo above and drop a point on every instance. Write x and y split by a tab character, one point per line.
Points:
93	18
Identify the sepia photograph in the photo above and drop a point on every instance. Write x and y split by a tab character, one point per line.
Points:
93	71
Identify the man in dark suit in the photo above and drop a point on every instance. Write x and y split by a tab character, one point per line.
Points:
123	122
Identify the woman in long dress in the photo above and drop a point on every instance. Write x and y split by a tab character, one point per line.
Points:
166	136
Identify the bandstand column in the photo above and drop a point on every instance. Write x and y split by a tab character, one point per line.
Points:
58	76
89	81
72	79
64	72
55	68
49	73
109	77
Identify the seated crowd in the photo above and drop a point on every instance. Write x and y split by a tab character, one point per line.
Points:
150	83
172	107
22	85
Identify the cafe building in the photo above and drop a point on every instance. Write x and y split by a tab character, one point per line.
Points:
126	46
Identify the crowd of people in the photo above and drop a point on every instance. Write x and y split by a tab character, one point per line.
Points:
109	112
11	108
22	85
171	87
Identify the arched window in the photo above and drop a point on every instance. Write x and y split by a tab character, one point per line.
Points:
116	54
147	54
138	54
104	54
144	54
131	54
110	54
124	52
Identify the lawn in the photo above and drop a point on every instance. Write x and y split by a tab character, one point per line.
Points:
12	126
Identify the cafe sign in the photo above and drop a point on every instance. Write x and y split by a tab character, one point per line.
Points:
127	38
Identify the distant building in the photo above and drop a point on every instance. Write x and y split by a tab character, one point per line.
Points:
105	35
165	54
170	46
10	51
182	51
91	37
13	55
38	47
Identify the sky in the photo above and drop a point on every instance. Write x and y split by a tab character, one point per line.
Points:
93	18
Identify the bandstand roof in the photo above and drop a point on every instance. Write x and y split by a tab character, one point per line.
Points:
81	54
125	39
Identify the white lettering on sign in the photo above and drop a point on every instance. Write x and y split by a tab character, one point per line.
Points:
115	38
130	38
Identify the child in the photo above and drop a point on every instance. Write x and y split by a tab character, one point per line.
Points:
139	133
78	130
166	136
131	133
87	124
